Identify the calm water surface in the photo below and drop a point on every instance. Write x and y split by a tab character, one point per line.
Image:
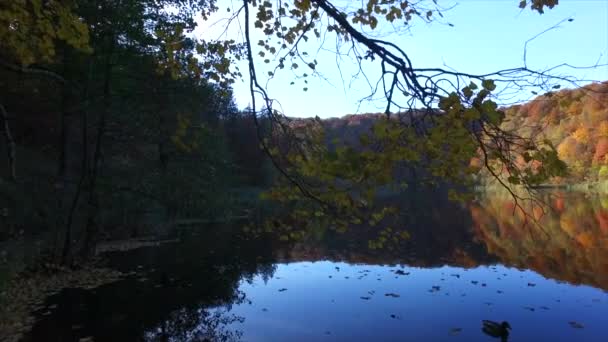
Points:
462	265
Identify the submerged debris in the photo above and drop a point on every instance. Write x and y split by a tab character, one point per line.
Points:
455	331
435	289
576	325
401	272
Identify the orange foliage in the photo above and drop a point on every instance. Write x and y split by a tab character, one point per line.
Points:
601	148
568	149
559	204
585	239
602	129
602	220
581	135
476	163
575	120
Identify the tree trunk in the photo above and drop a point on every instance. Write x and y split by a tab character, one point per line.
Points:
163	155
10	144
91	228
83	170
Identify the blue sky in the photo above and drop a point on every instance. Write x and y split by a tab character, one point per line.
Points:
487	35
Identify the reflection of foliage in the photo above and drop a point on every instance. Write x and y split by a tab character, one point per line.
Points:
573	246
196	325
433	233
185	288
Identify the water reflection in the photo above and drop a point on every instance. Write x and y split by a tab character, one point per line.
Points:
569	244
462	265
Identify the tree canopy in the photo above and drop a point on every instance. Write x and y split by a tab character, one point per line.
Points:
437	119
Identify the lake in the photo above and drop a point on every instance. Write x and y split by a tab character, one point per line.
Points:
462	264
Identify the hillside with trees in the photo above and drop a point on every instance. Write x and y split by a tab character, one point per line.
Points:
575	121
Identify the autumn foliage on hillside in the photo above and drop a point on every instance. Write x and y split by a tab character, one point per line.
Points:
575	122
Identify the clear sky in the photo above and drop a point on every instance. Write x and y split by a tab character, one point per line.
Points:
487	35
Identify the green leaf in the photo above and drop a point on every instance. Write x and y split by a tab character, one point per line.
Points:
467	92
488	85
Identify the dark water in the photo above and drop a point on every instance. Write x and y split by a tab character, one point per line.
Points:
462	265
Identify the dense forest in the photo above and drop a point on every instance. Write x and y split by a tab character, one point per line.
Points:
101	142
575	121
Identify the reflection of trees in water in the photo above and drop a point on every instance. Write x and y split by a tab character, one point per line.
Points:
207	316
570	243
439	234
183	292
211	320
199	325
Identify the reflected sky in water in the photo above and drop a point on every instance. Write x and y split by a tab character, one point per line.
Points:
322	303
463	264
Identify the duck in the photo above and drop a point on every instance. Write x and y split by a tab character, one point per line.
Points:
495	329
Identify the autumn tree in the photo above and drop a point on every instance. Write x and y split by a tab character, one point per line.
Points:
437	119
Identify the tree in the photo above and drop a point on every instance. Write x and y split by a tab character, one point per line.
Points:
131	82
436	119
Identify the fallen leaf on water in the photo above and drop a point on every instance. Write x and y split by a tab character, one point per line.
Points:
576	325
455	331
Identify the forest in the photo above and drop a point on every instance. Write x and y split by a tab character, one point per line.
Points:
120	131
